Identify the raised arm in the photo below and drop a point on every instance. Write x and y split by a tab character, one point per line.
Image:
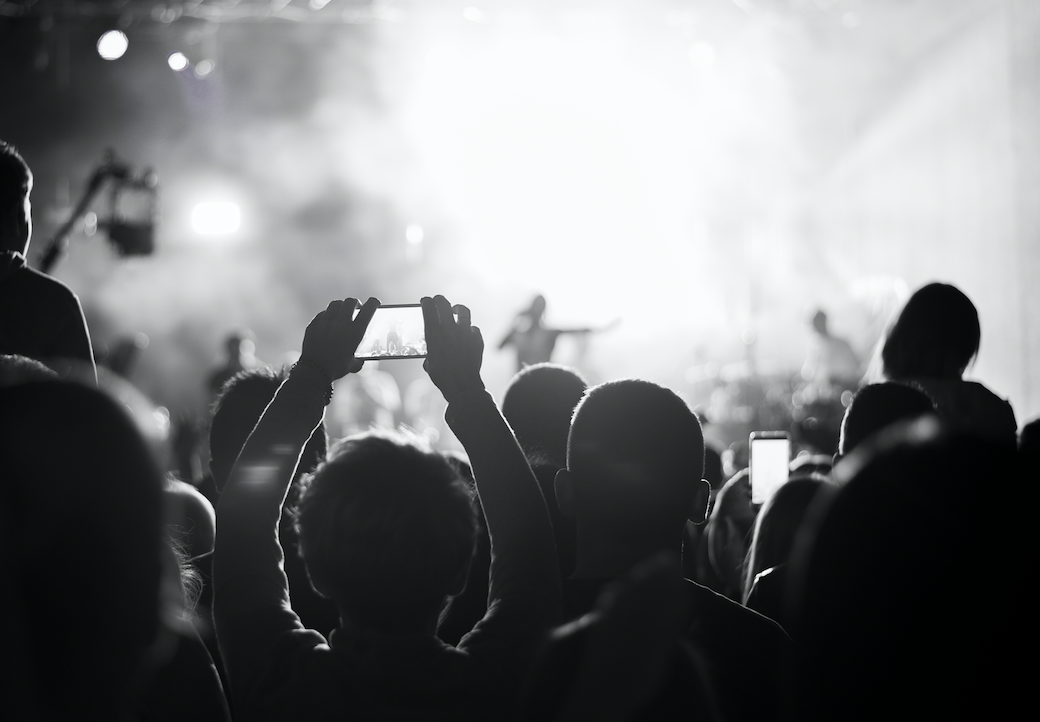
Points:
251	595
524	592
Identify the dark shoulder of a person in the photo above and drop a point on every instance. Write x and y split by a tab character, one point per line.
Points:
717	618
49	292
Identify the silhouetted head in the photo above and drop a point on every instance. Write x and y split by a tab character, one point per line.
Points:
819	322
15	369
877	406
1029	444
635	461
777	525
536	311
538	404
239	406
902	569
81	522
16	183
729	531
935	336
386	529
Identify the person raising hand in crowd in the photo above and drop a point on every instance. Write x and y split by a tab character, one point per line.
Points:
386	530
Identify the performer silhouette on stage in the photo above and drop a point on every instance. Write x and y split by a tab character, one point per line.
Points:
534	342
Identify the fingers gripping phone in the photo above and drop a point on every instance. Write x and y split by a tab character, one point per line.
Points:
770	463
395	331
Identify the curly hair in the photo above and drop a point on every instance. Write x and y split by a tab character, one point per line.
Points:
386	528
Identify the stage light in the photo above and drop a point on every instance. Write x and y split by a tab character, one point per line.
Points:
414	234
204	68
112	44
474	15
216	218
177	61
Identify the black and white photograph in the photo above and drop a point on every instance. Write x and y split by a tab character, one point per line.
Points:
518	360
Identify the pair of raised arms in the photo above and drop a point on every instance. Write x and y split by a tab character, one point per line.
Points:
452	346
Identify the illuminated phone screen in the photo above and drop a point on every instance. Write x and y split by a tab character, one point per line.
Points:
394	332
770	458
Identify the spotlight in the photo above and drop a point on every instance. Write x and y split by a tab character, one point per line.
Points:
112	44
216	218
177	61
414	234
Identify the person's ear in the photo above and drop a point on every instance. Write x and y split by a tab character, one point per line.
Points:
699	502
564	484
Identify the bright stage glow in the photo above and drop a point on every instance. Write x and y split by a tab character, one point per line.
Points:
216	218
177	61
618	167
414	234
112	44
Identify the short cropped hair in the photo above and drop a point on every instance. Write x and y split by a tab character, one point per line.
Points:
877	406
236	412
539	404
633	448
386	528
15	178
938	329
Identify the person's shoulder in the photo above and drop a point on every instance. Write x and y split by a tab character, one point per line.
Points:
45	285
720	614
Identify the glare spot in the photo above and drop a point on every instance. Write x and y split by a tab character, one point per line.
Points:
112	44
474	15
318	4
204	68
177	61
414	234
216	218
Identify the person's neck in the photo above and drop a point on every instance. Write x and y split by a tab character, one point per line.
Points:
603	556
428	628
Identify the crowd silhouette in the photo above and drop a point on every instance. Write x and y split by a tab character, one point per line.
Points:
586	557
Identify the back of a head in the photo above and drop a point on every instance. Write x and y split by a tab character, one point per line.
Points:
15	184
633	451
81	520
539	404
236	411
936	335
901	603
778	523
15	369
877	406
386	528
